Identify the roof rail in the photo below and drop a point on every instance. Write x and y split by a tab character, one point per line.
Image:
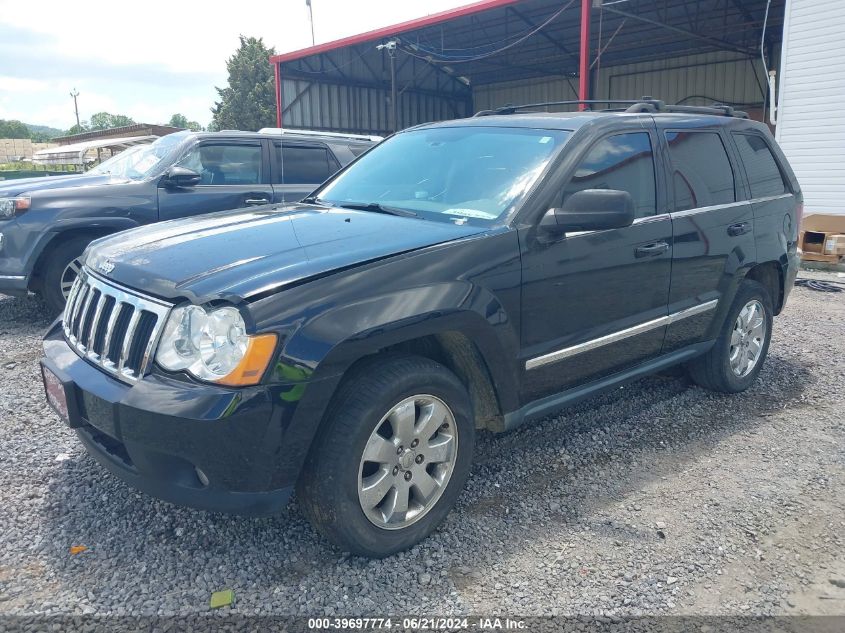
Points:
353	137
646	104
512	109
717	109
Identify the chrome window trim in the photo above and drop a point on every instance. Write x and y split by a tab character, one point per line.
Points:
652	218
714	207
614	337
771	198
642	220
727	205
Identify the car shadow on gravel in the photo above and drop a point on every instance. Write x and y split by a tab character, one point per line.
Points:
553	471
17	313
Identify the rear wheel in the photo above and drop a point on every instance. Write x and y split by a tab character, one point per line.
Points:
392	457
737	357
61	270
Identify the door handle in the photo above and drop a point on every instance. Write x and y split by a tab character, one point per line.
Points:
651	250
740	228
257	201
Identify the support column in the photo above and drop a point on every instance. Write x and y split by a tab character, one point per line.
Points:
584	56
278	94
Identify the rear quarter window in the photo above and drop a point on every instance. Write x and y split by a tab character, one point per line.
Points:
761	168
357	150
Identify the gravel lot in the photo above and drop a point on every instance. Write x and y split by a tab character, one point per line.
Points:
657	498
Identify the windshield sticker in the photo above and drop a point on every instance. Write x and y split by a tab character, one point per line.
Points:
545	139
472	213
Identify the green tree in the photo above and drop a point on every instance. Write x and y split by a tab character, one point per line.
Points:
13	129
248	102
180	120
79	129
106	121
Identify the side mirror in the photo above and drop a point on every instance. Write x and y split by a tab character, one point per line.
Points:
591	210
181	177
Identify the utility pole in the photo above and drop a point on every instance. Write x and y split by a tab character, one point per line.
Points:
75	93
311	21
390	47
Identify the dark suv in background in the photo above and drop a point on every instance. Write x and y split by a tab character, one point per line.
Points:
463	275
46	223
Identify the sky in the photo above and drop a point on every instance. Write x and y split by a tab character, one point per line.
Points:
152	59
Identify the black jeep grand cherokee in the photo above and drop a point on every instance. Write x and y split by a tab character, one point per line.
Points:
462	275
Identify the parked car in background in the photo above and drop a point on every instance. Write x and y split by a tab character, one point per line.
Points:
467	274
46	223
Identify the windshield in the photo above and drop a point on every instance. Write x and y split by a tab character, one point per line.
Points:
139	162
459	174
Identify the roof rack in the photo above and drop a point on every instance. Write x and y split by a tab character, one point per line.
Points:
354	137
646	104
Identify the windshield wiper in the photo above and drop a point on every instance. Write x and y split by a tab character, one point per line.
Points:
377	208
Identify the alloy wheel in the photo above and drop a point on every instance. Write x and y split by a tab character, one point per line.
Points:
407	462
69	275
747	338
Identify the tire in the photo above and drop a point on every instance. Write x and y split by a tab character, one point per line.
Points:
715	370
336	489
57	277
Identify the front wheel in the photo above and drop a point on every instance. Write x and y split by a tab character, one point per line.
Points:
61	271
737	357
392	457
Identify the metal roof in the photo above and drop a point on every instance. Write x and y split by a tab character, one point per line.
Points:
501	40
74	154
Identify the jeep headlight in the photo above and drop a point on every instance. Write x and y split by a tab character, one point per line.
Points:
10	207
213	345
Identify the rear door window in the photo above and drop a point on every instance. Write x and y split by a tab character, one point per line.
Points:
701	170
305	164
763	173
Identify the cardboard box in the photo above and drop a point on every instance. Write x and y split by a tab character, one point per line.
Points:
822	238
834	245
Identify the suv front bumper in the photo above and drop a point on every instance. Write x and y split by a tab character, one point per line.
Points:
192	444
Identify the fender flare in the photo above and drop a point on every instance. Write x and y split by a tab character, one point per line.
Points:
102	225
329	344
318	354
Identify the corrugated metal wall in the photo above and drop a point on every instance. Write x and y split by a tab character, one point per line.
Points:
321	105
348	89
720	76
811	121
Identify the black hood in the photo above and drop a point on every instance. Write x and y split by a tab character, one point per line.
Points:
239	254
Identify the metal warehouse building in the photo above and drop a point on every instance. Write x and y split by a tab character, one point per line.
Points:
495	52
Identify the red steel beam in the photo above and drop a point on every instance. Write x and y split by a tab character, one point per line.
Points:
584	56
396	29
278	95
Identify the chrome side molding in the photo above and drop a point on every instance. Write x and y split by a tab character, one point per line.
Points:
614	337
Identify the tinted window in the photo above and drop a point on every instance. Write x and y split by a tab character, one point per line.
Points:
702	172
624	162
306	165
220	164
760	166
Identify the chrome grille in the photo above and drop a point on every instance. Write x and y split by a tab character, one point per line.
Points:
111	327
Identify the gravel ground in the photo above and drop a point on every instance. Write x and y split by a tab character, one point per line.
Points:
658	498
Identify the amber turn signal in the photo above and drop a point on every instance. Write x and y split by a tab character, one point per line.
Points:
258	353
